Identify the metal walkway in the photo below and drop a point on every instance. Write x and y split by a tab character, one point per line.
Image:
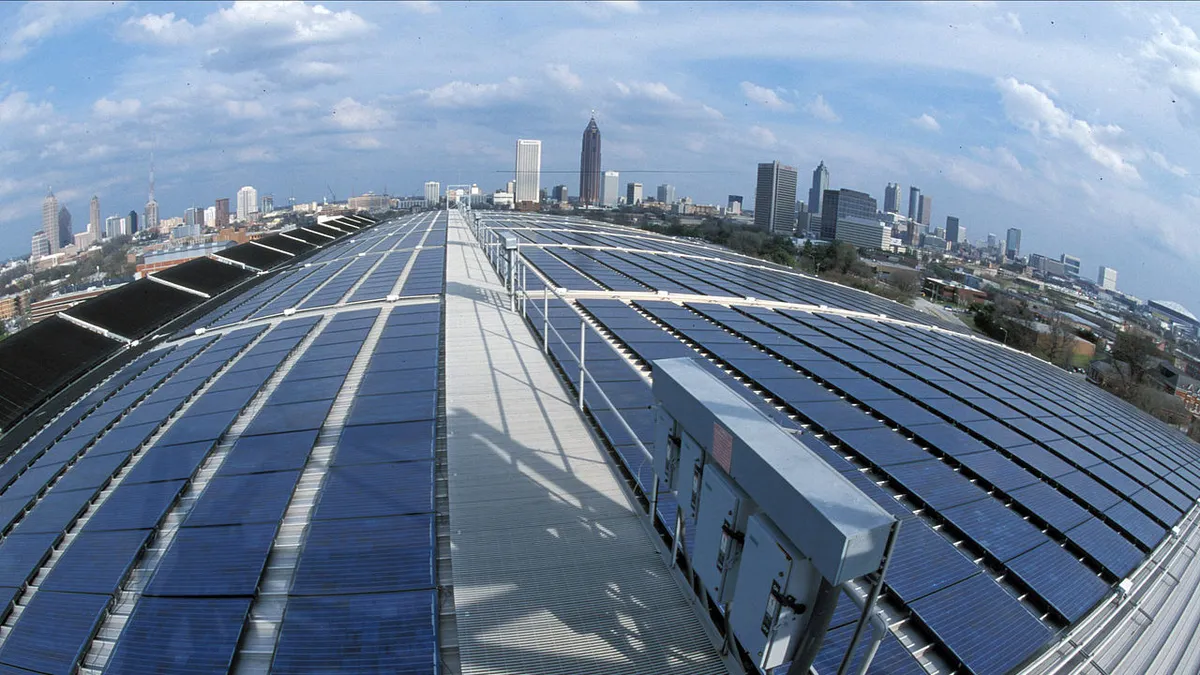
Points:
553	570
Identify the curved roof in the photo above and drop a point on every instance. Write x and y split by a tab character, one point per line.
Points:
266	489
1176	308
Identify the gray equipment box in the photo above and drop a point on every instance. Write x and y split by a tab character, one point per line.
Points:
720	522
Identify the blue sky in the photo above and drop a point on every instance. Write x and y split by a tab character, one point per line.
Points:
1077	123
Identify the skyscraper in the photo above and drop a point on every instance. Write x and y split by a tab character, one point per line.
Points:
210	217
735	205
820	183
1106	278
953	234
1012	243
891	198
633	193
433	193
150	215
39	246
589	165
528	171
559	194
925	210
610	189
133	222
50	220
267	204
775	197
222	207
914	197
842	204
247	202
65	234
94	219
1070	264
666	193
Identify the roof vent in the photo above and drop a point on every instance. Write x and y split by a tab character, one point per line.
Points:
289	311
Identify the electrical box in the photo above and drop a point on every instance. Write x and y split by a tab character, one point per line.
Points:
689	475
666	449
720	528
776	589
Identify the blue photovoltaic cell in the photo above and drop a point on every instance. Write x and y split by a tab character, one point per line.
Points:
839	416
274	452
393	408
22	554
170	462
1133	521
366	555
246	498
214	561
122	438
882	446
393	382
96	562
1089	490
876	493
891	658
289	417
1051	506
135	506
1041	459
91	472
924	562
995	527
189	429
386	443
998	470
377	633
55	511
376	490
935	484
969	617
1053	573
180	635
317	389
54	630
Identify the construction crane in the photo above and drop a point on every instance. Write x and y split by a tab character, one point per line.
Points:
332	197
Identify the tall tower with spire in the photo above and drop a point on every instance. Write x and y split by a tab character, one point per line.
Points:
589	165
50	221
150	217
94	219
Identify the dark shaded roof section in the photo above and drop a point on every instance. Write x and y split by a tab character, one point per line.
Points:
135	309
309	236
41	359
255	256
205	275
285	244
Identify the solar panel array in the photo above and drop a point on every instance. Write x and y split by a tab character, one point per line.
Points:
1026	494
85	499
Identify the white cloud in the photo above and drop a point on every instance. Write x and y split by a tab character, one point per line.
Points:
459	94
762	137
604	9
768	98
36	21
560	74
421	6
16	107
363	142
113	109
1163	163
1029	108
248	110
1173	58
160	28
652	91
999	156
350	114
926	122
821	110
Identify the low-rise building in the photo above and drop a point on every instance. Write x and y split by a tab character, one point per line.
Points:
868	233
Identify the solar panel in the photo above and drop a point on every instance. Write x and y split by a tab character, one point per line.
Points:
969	616
169	462
891	658
135	506
53	631
180	635
96	561
882	446
245	498
995	527
362	491
214	561
55	511
393	408
22	554
366	555
381	633
935	483
925	562
1070	587
274	452
386	443
1112	550
273	419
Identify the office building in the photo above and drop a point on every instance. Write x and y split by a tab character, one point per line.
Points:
193	219
734	206
1012	243
114	226
247	203
210	217
433	193
1106	278
869	233
94	218
66	236
891	198
845	203
267	204
993	242
775	198
666	193
150	221
559	194
222	209
914	198
925	210
633	193
528	171
953	231
132	222
39	247
1070	264
820	183
50	220
589	166
610	188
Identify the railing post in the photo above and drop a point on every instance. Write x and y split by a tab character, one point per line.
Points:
512	280
545	319
582	374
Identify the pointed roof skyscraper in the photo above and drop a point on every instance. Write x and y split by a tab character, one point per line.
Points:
590	173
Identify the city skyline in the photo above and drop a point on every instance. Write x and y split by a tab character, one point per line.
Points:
294	100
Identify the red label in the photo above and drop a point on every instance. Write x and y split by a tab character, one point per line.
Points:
722	446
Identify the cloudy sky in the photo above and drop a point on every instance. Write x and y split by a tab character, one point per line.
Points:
1076	123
